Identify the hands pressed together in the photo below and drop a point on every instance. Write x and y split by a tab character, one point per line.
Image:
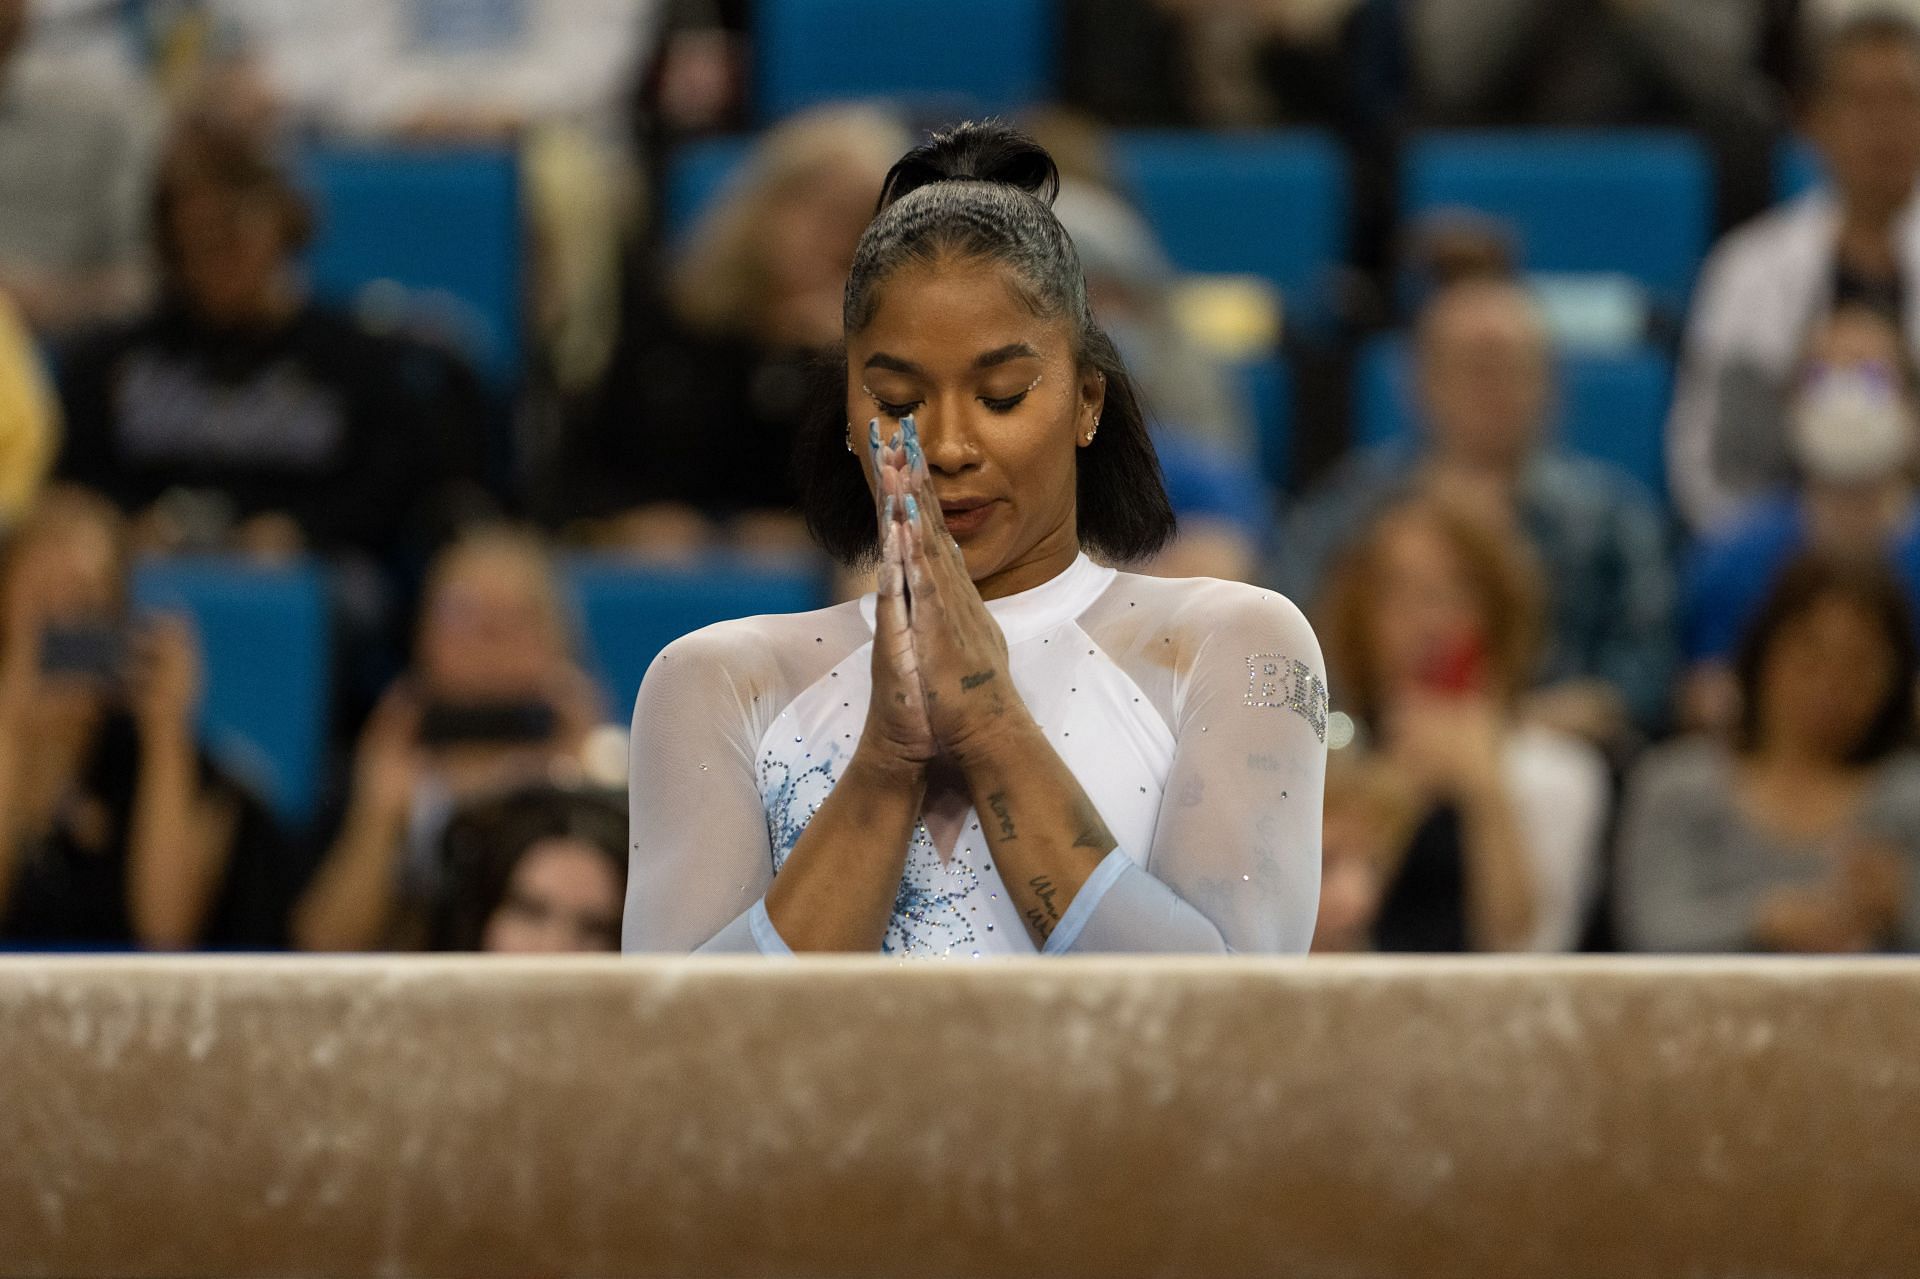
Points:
941	683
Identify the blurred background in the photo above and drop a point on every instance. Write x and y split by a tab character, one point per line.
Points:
384	382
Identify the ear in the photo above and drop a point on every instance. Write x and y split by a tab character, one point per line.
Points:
1093	402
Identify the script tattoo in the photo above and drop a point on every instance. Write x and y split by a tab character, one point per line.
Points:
1044	890
998	803
970	682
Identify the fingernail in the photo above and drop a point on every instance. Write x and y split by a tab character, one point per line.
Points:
913	508
912	433
873	432
893	441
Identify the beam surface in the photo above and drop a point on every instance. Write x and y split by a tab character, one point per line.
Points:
286	1116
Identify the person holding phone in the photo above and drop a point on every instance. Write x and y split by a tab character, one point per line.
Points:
1433	624
493	699
1010	747
113	829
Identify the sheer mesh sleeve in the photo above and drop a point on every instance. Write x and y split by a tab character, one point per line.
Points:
699	857
1235	861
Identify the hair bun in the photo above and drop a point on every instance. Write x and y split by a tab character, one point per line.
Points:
987	151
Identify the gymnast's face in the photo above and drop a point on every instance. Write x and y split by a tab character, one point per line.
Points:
1001	404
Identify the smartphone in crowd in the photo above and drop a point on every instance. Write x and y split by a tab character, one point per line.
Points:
95	650
501	723
1458	667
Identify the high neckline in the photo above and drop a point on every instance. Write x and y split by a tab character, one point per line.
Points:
1037	609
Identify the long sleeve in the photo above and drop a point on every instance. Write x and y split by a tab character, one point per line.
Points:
1234	864
700	860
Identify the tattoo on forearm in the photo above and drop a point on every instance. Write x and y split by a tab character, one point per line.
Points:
970	682
1093	831
998	803
1044	916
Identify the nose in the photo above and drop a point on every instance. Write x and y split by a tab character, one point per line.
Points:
947	437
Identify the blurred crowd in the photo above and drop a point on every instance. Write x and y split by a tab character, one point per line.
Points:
1574	713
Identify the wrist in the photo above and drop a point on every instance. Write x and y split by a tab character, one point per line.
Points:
993	741
887	769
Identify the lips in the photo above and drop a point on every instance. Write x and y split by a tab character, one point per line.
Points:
966	515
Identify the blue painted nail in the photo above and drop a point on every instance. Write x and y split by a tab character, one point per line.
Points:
912	433
893	441
873	431
913	508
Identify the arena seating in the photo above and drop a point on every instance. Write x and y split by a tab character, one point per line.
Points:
1633	203
629	613
265	654
443	224
984	56
1275	205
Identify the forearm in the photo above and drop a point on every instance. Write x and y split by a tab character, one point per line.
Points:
1499	880
349	903
169	870
836	890
1046	836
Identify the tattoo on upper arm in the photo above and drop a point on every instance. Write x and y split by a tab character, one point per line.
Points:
970	682
1276	680
998	803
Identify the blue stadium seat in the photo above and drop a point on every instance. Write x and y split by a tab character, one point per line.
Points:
1612	406
1637	203
1268	204
1797	168
265	655
697	173
1266	384
631	612
980	56
444	222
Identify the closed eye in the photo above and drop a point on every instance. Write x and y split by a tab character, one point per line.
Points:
1006	404
896	410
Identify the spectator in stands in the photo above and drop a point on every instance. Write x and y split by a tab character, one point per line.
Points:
1803	834
723	368
540	871
493	699
1430	622
1202	430
1767	283
29	418
1370	816
77	160
1485	378
1851	438
113	828
241	412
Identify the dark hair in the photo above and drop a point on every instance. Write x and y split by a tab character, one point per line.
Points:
210	151
985	191
487	840
1829	46
1805	584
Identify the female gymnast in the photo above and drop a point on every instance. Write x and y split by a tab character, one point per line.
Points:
1010	747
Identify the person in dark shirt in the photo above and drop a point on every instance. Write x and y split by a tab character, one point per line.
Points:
239	412
114	829
690	441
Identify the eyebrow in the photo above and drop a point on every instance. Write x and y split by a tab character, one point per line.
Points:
997	356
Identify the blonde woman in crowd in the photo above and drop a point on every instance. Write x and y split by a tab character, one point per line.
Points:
1432	624
492	700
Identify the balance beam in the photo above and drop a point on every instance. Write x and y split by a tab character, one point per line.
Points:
853	1117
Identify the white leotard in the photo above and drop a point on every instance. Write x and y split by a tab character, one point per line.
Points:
1192	712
